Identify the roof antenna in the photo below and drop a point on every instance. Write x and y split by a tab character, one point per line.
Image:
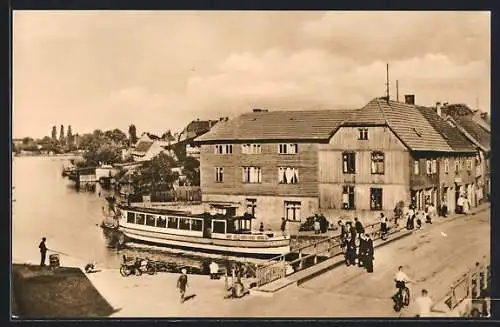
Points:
397	90
387	83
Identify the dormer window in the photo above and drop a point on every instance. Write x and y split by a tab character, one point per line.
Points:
223	149
363	134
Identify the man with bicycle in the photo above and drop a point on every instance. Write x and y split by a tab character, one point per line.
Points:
401	279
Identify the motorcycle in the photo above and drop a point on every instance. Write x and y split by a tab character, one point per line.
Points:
137	266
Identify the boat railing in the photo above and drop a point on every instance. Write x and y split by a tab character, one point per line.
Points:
299	258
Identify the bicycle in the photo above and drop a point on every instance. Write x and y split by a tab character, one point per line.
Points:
401	298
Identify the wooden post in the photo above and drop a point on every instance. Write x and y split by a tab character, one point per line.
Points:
452	297
478	283
301	264
315	254
469	284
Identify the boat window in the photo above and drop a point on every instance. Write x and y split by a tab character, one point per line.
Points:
139	219
150	220
161	222
184	223
130	217
197	225
172	222
219	227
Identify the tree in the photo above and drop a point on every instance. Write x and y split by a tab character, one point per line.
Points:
132	132
54	133
116	136
61	136
155	175
27	140
70	138
191	169
86	140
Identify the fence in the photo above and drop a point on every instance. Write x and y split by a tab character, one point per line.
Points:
470	286
286	264
181	194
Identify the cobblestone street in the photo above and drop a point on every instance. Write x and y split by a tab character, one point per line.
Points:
433	258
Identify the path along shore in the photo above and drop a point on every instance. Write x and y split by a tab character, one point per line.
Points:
343	292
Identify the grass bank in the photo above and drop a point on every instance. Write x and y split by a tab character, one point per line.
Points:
61	293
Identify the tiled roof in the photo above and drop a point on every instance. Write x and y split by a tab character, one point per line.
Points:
278	125
406	121
143	146
479	134
452	135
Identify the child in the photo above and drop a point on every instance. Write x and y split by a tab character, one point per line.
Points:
182	283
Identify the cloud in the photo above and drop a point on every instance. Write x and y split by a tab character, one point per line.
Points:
319	78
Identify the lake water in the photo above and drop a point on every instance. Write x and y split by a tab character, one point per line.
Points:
47	204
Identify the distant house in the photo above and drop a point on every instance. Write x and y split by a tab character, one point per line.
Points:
17	142
193	130
475	127
149	146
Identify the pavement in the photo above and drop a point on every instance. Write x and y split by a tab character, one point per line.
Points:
432	257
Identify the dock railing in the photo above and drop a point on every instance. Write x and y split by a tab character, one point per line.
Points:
469	286
278	267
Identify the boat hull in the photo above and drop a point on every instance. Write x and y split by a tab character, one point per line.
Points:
211	245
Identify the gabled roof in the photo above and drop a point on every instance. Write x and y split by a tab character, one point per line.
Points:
452	135
143	146
479	134
405	120
278	125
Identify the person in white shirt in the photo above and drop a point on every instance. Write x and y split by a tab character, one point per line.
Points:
214	270
424	304
401	279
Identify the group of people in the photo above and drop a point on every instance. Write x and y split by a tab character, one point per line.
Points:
356	244
415	218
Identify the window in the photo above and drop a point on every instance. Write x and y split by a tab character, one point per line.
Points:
184	223
376	198
377	163
218	226
224	149
363	134
446	165
130	217
469	164
428	165
457	166
173	222
251	149
197	225
251	206
292	210
349	162
150	220
219	174
348	197
289	148
416	167
288	175
434	166
139	219
252	175
161	222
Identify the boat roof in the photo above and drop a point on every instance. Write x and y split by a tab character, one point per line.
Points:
163	211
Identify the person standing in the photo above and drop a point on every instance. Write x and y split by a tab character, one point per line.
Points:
383	226
359	227
214	270
397	214
182	284
352	231
424	304
261	228
362	250
316	225
351	251
43	251
369	254
283	225
466	205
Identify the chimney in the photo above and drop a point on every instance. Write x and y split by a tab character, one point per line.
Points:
410	99
438	108
259	110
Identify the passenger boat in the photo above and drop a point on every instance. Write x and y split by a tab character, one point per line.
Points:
206	232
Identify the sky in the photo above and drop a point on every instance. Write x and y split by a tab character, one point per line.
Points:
160	70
